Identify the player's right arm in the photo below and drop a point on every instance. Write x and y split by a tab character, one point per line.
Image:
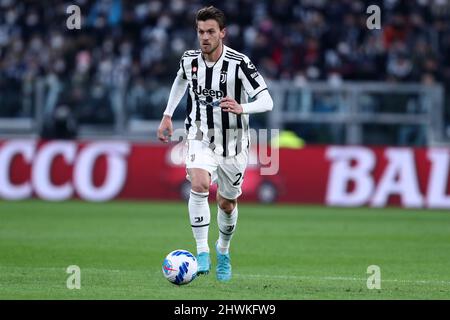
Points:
177	91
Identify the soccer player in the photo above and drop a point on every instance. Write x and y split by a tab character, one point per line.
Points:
221	82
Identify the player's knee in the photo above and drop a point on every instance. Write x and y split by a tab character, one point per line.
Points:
227	205
200	186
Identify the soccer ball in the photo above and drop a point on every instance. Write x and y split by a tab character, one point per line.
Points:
180	267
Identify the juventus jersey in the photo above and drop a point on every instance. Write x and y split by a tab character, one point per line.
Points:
233	75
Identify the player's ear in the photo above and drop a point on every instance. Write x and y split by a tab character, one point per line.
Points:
223	32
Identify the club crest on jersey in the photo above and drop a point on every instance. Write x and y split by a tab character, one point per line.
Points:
223	77
200	91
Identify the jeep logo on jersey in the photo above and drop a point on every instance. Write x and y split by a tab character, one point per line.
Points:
200	91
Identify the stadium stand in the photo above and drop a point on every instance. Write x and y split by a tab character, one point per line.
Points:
129	49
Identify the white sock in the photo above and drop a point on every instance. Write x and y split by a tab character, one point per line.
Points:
227	226
200	216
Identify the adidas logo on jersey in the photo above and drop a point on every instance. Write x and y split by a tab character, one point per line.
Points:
200	91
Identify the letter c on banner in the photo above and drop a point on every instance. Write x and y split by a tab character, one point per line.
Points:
8	151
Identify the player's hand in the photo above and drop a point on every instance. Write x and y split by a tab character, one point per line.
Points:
230	105
165	126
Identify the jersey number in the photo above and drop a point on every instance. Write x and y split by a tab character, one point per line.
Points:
238	181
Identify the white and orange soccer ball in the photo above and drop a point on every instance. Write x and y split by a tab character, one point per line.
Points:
180	267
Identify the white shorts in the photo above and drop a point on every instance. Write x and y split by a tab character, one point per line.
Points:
227	172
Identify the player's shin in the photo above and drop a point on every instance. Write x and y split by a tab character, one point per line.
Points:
200	216
227	226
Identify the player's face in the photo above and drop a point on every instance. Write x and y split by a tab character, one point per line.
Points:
209	35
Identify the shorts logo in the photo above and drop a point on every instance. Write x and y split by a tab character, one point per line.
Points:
192	157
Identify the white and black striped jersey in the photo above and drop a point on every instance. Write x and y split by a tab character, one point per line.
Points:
233	75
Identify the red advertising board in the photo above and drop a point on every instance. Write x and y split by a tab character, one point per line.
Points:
330	175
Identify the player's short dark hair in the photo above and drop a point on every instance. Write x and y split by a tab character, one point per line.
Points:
213	13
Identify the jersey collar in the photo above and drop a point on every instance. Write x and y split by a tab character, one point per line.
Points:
219	61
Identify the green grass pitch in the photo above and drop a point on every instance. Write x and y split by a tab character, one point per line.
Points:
278	252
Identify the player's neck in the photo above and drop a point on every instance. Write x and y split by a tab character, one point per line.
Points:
215	55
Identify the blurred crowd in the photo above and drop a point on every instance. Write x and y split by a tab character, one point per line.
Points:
131	47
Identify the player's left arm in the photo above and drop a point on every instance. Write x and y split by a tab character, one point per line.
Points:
255	87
